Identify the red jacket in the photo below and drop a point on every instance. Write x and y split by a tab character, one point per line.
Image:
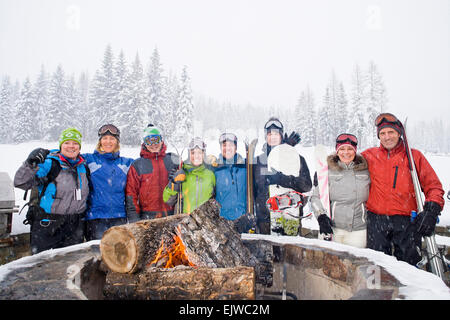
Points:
146	180
391	188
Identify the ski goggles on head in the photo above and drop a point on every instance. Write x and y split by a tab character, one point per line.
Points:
152	139
386	118
227	137
273	123
108	128
347	138
197	143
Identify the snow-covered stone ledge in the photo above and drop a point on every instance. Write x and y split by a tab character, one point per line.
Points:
317	269
303	268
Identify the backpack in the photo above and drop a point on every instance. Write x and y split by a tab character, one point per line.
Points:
33	203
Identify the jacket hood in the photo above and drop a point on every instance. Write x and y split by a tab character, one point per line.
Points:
358	164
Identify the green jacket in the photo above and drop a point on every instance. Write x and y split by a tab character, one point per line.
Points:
197	188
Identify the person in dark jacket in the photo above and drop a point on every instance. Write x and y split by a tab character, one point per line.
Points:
108	172
57	220
147	178
274	130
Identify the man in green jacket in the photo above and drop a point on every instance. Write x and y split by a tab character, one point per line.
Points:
195	182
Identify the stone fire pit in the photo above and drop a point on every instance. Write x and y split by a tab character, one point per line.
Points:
303	269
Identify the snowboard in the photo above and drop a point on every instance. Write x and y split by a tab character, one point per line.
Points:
285	159
320	156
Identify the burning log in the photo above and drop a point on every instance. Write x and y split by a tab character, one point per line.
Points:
188	256
204	238
182	283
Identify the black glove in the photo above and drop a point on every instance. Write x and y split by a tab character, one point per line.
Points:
293	139
275	177
37	156
325	224
448	195
426	220
244	223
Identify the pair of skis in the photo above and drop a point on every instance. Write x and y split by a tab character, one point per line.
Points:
250	154
433	255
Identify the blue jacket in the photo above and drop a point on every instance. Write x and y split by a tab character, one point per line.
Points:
108	180
231	187
60	195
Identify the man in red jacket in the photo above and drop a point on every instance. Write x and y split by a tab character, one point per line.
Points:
147	178
392	197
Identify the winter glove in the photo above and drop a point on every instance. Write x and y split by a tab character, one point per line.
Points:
426	220
37	156
293	139
212	160
325	224
177	176
244	223
275	177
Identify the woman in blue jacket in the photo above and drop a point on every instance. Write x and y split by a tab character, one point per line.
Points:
108	173
231	181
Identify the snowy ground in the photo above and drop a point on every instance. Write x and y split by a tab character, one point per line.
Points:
14	155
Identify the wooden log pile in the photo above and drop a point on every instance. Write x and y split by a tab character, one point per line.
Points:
187	256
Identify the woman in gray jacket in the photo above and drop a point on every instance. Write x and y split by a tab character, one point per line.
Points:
348	181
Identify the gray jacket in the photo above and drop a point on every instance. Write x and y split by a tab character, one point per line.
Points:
349	190
67	194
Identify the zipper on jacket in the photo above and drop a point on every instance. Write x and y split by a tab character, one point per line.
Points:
395	177
196	191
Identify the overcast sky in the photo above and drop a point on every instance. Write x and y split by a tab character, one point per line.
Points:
245	51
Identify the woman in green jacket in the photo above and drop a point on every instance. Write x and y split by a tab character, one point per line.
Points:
196	182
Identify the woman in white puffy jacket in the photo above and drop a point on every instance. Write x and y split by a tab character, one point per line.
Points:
348	182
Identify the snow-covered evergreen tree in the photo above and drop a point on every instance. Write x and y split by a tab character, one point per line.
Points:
41	101
120	90
106	85
25	119
81	109
135	115
57	107
376	100
6	108
357	117
341	110
170	106
155	89
305	118
185	110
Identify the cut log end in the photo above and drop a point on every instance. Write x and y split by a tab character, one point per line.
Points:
119	250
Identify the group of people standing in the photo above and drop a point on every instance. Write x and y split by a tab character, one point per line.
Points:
371	194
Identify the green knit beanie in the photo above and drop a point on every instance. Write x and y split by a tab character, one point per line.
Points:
70	134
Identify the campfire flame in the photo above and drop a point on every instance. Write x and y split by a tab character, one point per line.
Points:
175	254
